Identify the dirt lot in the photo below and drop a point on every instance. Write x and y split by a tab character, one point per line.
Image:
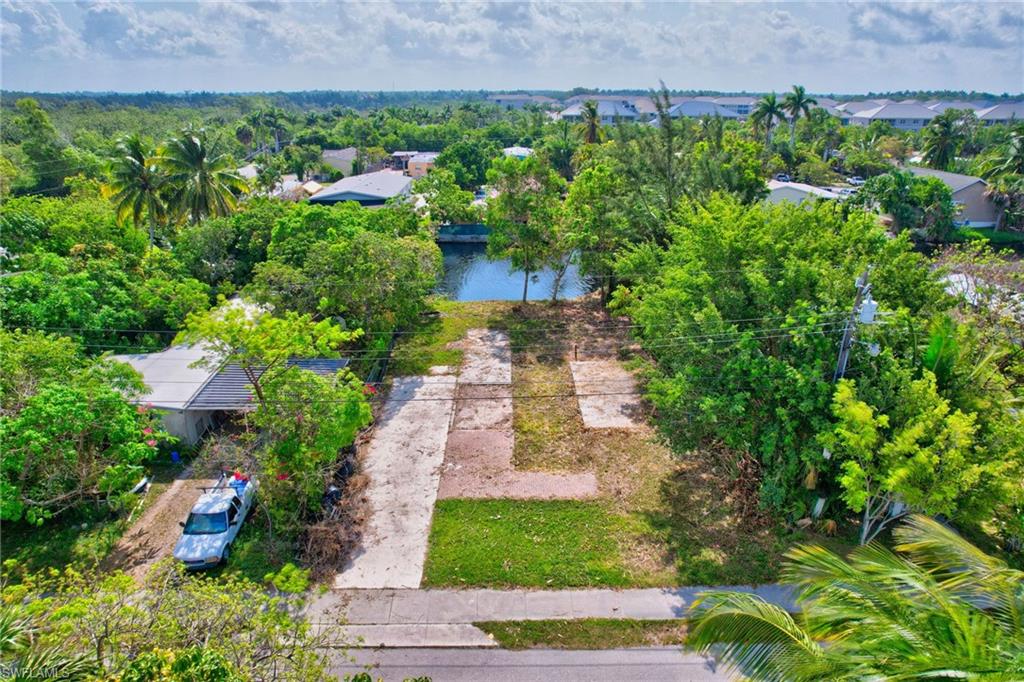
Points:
155	533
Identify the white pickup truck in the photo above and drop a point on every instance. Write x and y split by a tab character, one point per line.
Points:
215	520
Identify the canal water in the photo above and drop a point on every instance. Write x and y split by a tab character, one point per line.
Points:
470	276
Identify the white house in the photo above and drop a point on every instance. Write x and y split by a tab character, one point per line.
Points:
609	111
796	192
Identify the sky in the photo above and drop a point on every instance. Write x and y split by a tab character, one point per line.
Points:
845	46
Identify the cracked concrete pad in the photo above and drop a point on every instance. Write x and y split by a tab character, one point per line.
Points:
607	394
486	357
403	462
478	464
483	406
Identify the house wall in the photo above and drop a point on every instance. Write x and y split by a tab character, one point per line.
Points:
187	425
417	169
898	123
977	209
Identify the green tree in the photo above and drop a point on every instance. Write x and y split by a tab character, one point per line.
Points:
795	103
766	113
42	146
77	438
942	138
523	214
590	123
260	343
301	158
591	223
939	608
137	184
923	204
446	202
201	180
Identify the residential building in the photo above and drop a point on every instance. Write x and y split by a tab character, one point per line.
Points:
796	192
644	106
857	106
518	152
399	160
341	160
608	111
695	108
740	105
900	116
192	399
368	189
248	172
941	106
974	208
521	101
421	164
1005	113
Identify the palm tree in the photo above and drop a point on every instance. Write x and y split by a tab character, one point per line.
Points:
203	181
1006	192
941	139
766	112
136	184
1008	158
939	609
795	103
590	125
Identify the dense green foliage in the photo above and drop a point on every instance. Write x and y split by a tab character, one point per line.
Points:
937	609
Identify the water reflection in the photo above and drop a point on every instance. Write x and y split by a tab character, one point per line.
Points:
470	276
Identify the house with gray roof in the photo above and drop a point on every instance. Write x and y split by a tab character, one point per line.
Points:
899	115
1005	113
974	208
368	189
740	105
340	159
192	390
609	111
941	106
695	108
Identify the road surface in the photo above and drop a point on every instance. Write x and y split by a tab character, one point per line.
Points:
656	664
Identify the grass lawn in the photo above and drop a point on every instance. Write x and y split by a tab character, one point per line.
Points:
84	536
587	633
995	237
506	543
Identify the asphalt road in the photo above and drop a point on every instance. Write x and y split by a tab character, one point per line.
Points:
661	664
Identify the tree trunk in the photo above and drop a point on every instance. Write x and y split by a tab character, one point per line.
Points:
526	283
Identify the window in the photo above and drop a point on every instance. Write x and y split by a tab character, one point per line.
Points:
206	524
233	511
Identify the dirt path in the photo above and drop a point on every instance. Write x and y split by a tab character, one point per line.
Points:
154	535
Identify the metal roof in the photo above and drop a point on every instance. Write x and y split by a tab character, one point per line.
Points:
1003	112
229	388
698	108
170	377
368	186
889	112
424	157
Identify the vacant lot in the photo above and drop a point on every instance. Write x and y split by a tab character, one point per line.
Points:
660	518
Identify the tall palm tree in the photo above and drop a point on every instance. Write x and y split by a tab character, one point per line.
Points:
136	184
590	125
202	181
795	103
766	112
939	609
941	139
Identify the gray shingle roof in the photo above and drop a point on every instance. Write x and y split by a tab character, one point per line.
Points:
698	108
889	112
1003	112
228	389
954	181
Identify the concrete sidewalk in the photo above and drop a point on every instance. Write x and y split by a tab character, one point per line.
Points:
405	607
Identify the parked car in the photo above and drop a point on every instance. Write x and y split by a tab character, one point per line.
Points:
856	180
215	520
782	177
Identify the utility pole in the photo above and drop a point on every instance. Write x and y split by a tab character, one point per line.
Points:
863	312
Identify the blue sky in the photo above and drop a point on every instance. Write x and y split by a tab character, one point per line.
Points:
843	46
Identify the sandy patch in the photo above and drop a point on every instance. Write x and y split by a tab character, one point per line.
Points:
478	464
607	395
403	462
154	535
